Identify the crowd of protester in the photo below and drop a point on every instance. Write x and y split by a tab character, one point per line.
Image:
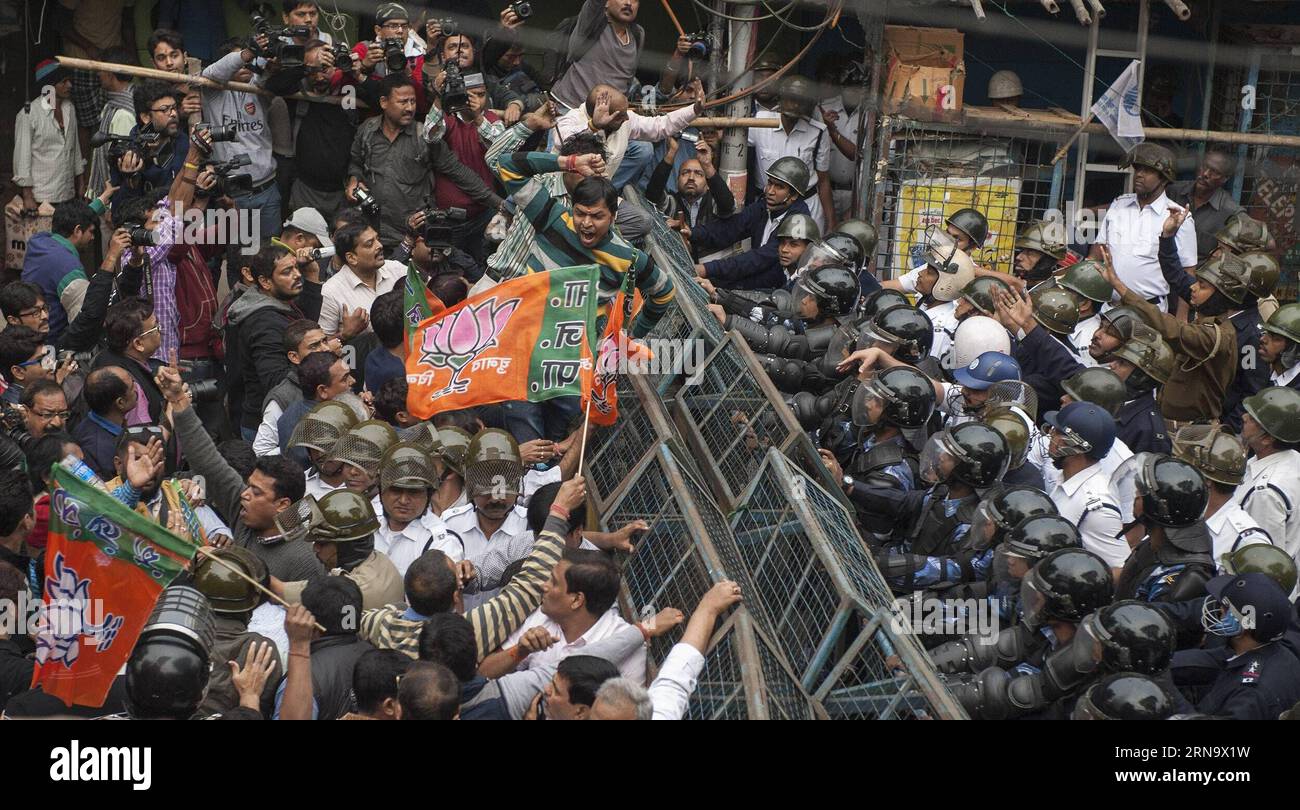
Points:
1103	446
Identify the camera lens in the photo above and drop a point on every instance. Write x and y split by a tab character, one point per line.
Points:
205	391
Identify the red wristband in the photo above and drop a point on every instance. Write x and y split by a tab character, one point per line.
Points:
559	511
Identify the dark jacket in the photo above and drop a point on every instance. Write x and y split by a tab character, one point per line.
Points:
1044	363
757	268
257	322
1141	427
1258	685
332	661
98	445
142	376
233	641
716	204
51	265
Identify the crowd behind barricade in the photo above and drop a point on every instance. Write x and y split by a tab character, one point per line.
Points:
1103	445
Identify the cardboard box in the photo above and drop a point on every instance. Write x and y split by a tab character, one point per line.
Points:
926	75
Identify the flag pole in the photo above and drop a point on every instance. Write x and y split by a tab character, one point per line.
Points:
582	447
234	570
1065	148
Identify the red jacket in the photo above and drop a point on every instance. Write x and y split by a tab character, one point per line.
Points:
196	300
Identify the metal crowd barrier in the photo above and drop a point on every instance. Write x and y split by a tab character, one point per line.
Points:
816	636
675	564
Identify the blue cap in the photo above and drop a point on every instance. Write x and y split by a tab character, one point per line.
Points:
1254	596
1090	422
988	368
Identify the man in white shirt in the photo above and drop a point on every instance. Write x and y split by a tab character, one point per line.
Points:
801	136
1270	492
1082	434
365	276
578	609
47	153
1133	222
1220	458
843	116
606	112
408	477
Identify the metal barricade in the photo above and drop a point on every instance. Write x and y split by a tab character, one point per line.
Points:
675	564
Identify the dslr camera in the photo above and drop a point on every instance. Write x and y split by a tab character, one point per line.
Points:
287	54
451	28
701	46
342	56
227	134
438	225
394	54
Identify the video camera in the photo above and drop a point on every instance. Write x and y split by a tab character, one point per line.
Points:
287	54
455	96
230	184
140	142
438	227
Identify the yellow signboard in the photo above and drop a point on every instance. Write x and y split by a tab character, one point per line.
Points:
927	203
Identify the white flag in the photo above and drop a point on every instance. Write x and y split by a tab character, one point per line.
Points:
1119	110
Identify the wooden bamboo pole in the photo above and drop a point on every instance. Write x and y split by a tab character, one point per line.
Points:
724	122
235	570
184	78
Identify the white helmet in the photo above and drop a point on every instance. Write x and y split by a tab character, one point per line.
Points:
956	269
1005	84
976	335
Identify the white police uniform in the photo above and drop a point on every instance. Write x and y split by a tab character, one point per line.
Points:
404	547
1081	339
1088	500
1230	529
1271	495
944	319
490	555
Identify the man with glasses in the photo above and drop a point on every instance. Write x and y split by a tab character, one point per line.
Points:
24	358
131	337
1209	201
158	107
45	408
393	22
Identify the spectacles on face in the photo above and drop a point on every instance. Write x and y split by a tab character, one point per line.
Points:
35	312
395	25
146	333
168	110
45	359
50	417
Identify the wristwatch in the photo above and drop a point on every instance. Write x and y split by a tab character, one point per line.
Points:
847	481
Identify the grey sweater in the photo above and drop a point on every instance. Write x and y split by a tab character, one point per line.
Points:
288	561
247	111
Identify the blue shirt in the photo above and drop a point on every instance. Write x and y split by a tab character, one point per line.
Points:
382	366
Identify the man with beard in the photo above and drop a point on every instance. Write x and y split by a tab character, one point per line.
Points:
1279	346
1206	198
1132	227
257	323
1207	347
157	108
702	195
1039	249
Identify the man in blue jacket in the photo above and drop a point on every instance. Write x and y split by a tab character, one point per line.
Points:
758	268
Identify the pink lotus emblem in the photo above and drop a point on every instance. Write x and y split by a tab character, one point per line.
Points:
456	340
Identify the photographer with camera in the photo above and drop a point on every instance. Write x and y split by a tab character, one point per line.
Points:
322	136
395	167
393	51
248	114
503	58
429	246
457	55
116	117
468	128
154	152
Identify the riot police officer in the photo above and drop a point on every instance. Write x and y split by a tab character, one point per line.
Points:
1088	284
1116	327
1082	435
341	528
315	435
978	297
408	479
892	401
1279	347
1040	247
1243	234
1220	458
1252	677
867	238
451	491
975	380
1056	596
1126	696
969	227
1271	489
360	451
1016	427
167	673
939	281
1143	362
1056	311
956	462
1172	562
